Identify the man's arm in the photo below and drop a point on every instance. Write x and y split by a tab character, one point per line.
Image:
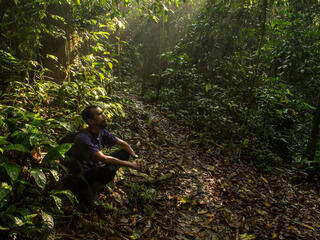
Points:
125	146
136	164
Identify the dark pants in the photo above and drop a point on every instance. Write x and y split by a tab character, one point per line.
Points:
89	184
105	173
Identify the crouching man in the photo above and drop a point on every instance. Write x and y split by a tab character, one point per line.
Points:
95	168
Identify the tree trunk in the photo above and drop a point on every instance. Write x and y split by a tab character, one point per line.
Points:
64	49
158	86
118	50
261	37
313	141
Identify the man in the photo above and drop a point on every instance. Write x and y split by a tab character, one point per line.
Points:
97	169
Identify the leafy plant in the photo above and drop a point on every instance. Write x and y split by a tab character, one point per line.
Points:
140	196
25	202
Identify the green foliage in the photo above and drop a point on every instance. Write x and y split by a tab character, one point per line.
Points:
247	76
27	175
147	43
140	196
24	176
36	109
234	77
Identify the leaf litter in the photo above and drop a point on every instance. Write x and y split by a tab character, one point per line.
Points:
190	193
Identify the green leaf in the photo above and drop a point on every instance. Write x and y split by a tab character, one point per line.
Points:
57	17
55	58
51	156
16	2
155	18
56	153
5	188
65	126
16	147
3	140
57	200
101	75
4	228
1	121
208	87
55	174
18	221
245	142
28	218
39	177
34	139
47	220
13	170
36	120
68	193
64	148
3	203
21	111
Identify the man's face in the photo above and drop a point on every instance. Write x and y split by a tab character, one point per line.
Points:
99	118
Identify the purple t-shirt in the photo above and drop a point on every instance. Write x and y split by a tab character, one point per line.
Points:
86	144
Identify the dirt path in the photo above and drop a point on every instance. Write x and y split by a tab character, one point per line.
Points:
191	193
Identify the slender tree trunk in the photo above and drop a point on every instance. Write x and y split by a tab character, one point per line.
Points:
60	47
260	36
160	60
262	32
118	50
143	77
118	43
314	138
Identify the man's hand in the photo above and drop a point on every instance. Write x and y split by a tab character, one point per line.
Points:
138	165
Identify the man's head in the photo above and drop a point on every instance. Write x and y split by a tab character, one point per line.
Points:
94	116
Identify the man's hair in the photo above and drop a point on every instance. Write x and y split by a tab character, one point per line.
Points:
87	113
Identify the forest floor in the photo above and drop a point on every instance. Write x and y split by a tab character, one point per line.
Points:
191	192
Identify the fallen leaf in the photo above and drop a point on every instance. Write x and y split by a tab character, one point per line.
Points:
208	167
266	204
215	237
202	212
307	226
233	220
185	200
210	221
124	220
190	233
135	236
175	197
211	217
247	236
264	179
261	212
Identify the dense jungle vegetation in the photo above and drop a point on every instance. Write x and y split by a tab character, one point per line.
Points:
242	78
